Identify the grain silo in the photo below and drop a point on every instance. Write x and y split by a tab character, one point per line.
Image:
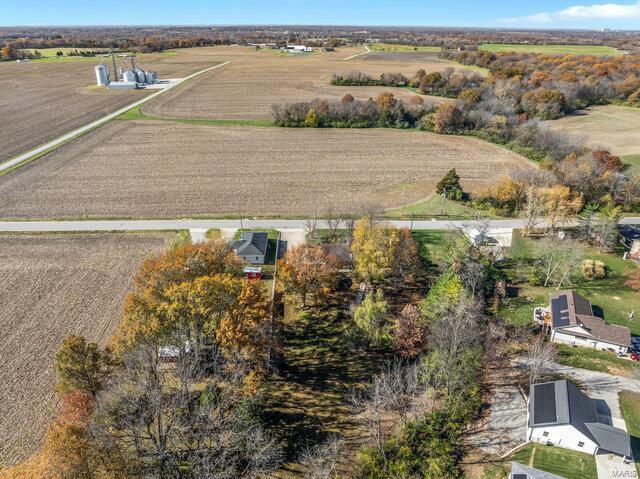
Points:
140	76
152	76
102	74
129	76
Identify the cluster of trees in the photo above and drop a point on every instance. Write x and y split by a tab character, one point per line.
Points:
175	395
358	78
449	82
385	111
434	391
563	189
10	52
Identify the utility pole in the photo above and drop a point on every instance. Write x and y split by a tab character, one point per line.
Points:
442	197
238	211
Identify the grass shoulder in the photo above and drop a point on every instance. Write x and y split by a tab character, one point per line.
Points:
630	408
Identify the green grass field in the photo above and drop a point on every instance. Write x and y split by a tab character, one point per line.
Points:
551	49
556	460
611	295
632	162
630	407
431	207
49	54
386	47
594	360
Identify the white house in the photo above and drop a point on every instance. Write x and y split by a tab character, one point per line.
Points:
562	415
571	321
252	246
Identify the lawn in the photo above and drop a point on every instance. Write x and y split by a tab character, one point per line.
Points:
609	295
433	207
433	245
595	360
556	460
551	49
632	162
630	406
386	47
307	400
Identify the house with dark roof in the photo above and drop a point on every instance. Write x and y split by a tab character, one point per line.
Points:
561	415
252	246
572	322
520	471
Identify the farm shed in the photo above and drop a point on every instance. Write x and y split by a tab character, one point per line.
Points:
252	246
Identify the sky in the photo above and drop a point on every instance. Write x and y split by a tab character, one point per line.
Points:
620	14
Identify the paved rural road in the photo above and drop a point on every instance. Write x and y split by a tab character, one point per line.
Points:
84	129
178	224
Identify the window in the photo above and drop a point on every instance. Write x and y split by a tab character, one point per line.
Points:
580	444
545	433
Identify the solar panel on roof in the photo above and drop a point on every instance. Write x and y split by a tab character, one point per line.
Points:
544	396
560	312
519	476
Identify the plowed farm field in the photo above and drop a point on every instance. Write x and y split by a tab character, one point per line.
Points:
40	101
144	168
53	286
248	87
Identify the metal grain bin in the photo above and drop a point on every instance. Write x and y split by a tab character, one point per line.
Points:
102	74
129	76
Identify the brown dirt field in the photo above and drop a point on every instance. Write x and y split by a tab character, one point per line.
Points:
614	127
165	169
43	100
53	286
249	86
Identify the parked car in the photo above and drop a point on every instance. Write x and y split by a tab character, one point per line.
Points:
635	357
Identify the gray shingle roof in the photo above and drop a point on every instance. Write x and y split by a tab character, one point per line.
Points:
251	243
611	438
530	473
560	402
579	312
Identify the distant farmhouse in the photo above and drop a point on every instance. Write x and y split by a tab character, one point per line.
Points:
298	48
252	246
571	321
562	415
519	471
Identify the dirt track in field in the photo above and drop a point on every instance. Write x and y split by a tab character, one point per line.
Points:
249	86
53	286
164	169
40	101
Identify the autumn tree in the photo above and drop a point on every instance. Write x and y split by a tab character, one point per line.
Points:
82	365
307	270
410	332
383	253
560	204
557	259
448	119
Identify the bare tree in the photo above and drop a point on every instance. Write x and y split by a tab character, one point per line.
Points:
349	221
311	225
322	461
558	259
539	359
333	222
392	395
154	414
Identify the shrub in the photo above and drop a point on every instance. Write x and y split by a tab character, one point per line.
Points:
593	269
449	185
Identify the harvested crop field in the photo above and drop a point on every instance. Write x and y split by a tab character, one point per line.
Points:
53	286
43	100
616	128
248	87
165	169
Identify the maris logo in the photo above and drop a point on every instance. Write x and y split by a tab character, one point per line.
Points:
624	474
